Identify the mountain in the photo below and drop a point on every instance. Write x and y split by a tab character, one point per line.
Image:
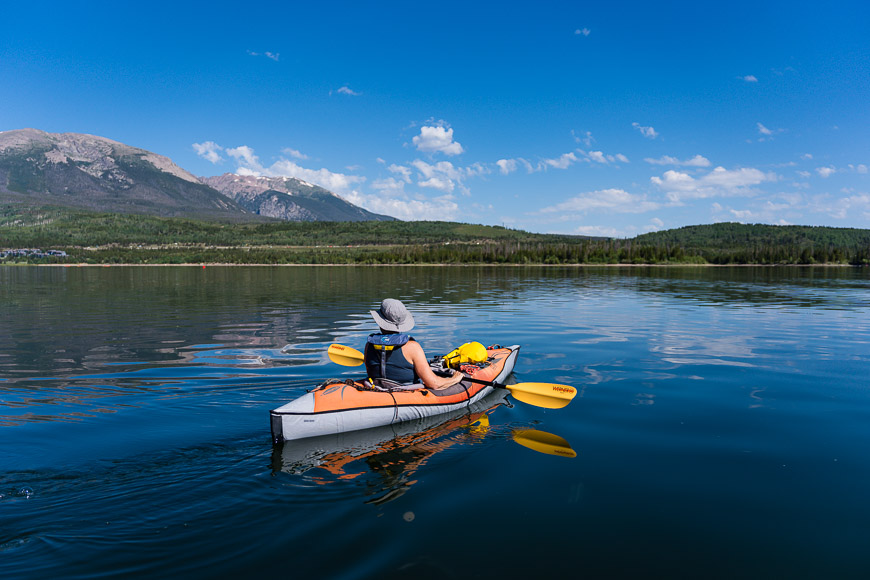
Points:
289	199
95	173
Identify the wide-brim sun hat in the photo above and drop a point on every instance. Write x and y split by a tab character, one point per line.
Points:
393	316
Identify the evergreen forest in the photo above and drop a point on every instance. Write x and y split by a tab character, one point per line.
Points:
104	238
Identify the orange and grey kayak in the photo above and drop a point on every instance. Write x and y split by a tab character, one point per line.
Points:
352	405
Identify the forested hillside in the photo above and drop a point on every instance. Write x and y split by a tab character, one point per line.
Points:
117	238
735	243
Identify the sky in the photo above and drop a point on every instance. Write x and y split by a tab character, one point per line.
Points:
593	118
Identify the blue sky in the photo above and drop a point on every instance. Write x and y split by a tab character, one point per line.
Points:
569	117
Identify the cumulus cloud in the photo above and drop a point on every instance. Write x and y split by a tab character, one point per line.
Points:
333	181
750	79
345	90
679	186
647	132
607	200
437	139
444	176
294	153
396	203
389	184
562	162
249	164
696	161
506	166
210	151
858	168
764	130
582	32
844	207
600	157
245	157
807	156
605	232
401	170
826	172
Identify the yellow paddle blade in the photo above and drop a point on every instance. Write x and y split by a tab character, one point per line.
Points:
345	355
546	395
543	442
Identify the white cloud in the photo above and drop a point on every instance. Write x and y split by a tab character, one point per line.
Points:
826	172
245	157
397	204
719	182
249	164
750	79
270	55
764	130
600	157
807	156
345	90
294	153
844	207
858	168
562	162
335	182
443	176
605	232
742	214
437	139
696	161
647	132
439	183
609	200
390	184
506	166
586	139
582	32
405	172
210	151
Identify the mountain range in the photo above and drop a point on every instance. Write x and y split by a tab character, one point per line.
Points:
94	173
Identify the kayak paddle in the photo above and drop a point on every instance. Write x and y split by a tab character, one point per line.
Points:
546	395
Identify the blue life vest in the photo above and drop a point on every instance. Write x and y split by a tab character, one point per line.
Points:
384	358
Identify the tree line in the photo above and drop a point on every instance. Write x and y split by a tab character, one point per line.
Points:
117	238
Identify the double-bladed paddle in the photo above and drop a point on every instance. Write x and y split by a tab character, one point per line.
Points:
546	395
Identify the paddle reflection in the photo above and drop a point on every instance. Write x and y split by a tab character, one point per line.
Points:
394	453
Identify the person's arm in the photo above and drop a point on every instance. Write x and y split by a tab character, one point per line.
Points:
415	355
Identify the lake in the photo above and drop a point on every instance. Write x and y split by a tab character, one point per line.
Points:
721	428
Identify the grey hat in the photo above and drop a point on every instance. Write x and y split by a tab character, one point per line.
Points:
393	316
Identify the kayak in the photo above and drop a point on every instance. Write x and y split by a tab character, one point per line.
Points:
339	406
396	450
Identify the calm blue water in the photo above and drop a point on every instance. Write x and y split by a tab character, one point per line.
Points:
721	428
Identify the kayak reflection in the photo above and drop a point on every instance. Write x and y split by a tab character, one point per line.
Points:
394	453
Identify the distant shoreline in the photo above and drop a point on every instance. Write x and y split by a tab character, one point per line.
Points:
417	265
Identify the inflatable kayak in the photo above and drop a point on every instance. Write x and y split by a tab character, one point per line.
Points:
339	406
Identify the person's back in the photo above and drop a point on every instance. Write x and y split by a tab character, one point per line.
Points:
384	358
393	355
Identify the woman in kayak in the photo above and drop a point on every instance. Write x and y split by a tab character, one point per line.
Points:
393	355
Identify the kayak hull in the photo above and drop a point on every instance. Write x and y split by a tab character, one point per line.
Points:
343	407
